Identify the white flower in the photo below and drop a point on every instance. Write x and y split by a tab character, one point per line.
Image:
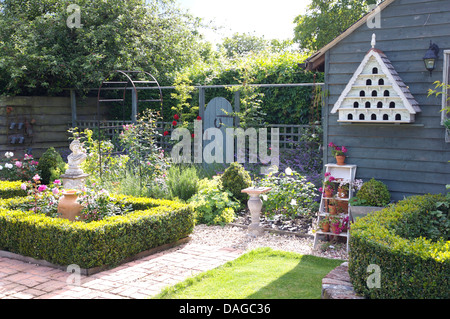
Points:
264	197
1	167
288	171
9	155
293	202
8	165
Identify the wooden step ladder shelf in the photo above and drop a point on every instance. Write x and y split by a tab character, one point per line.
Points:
339	172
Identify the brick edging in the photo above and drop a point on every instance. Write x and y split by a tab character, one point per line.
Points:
337	284
94	270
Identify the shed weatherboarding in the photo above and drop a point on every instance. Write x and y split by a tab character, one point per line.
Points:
397	138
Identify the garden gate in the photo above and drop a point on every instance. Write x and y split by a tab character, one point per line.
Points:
216	116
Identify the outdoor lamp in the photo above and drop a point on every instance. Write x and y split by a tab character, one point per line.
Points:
430	57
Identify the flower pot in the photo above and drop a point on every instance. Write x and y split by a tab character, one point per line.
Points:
342	206
342	192
340	160
362	211
326	228
335	229
68	207
328	193
332	209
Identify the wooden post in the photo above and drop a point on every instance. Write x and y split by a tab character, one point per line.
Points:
73	105
237	107
201	101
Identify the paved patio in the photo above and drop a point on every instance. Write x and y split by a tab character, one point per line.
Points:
134	280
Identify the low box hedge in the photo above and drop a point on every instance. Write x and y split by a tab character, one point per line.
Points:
11	189
99	243
411	265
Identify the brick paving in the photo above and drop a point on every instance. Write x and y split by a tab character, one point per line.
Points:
138	279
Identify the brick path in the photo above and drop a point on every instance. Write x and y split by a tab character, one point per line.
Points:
134	280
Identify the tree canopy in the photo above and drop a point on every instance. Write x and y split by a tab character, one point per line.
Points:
41	54
324	20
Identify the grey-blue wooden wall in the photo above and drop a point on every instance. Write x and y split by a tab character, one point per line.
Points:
410	158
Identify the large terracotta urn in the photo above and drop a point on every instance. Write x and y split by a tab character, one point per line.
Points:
68	207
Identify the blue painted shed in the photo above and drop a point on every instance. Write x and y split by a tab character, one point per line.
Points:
410	157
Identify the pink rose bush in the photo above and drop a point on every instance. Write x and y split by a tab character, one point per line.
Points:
15	169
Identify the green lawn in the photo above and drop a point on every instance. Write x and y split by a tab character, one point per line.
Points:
260	274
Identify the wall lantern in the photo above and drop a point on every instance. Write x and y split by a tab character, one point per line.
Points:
430	57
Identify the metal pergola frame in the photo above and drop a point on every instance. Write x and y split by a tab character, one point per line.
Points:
121	86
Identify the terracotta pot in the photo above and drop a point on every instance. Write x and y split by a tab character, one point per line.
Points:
328	193
68	207
340	159
342	193
342	206
326	228
332	209
334	230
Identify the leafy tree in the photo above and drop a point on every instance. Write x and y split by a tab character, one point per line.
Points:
241	44
42	55
324	20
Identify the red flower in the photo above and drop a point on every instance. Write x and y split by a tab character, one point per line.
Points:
166	133
193	135
174	123
176	117
199	118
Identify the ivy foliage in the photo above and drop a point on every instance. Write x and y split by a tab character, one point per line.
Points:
262	105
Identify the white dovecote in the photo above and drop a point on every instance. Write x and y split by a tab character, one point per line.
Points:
376	93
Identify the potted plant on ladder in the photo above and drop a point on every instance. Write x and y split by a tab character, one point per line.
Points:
339	152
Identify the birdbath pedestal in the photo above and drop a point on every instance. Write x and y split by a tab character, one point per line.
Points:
255	205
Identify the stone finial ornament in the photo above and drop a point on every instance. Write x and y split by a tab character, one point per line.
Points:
374	40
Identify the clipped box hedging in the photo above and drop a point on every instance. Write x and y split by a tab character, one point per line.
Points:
411	265
11	189
97	243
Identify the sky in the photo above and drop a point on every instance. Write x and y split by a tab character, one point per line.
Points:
272	19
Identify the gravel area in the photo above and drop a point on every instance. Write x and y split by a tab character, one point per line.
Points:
238	238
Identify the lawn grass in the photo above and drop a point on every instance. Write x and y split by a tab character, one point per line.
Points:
259	274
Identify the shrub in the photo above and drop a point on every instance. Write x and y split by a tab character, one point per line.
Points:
235	179
412	266
182	182
51	166
12	189
212	205
374	193
15	169
97	243
291	195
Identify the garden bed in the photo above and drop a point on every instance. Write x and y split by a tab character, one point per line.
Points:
153	223
301	225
